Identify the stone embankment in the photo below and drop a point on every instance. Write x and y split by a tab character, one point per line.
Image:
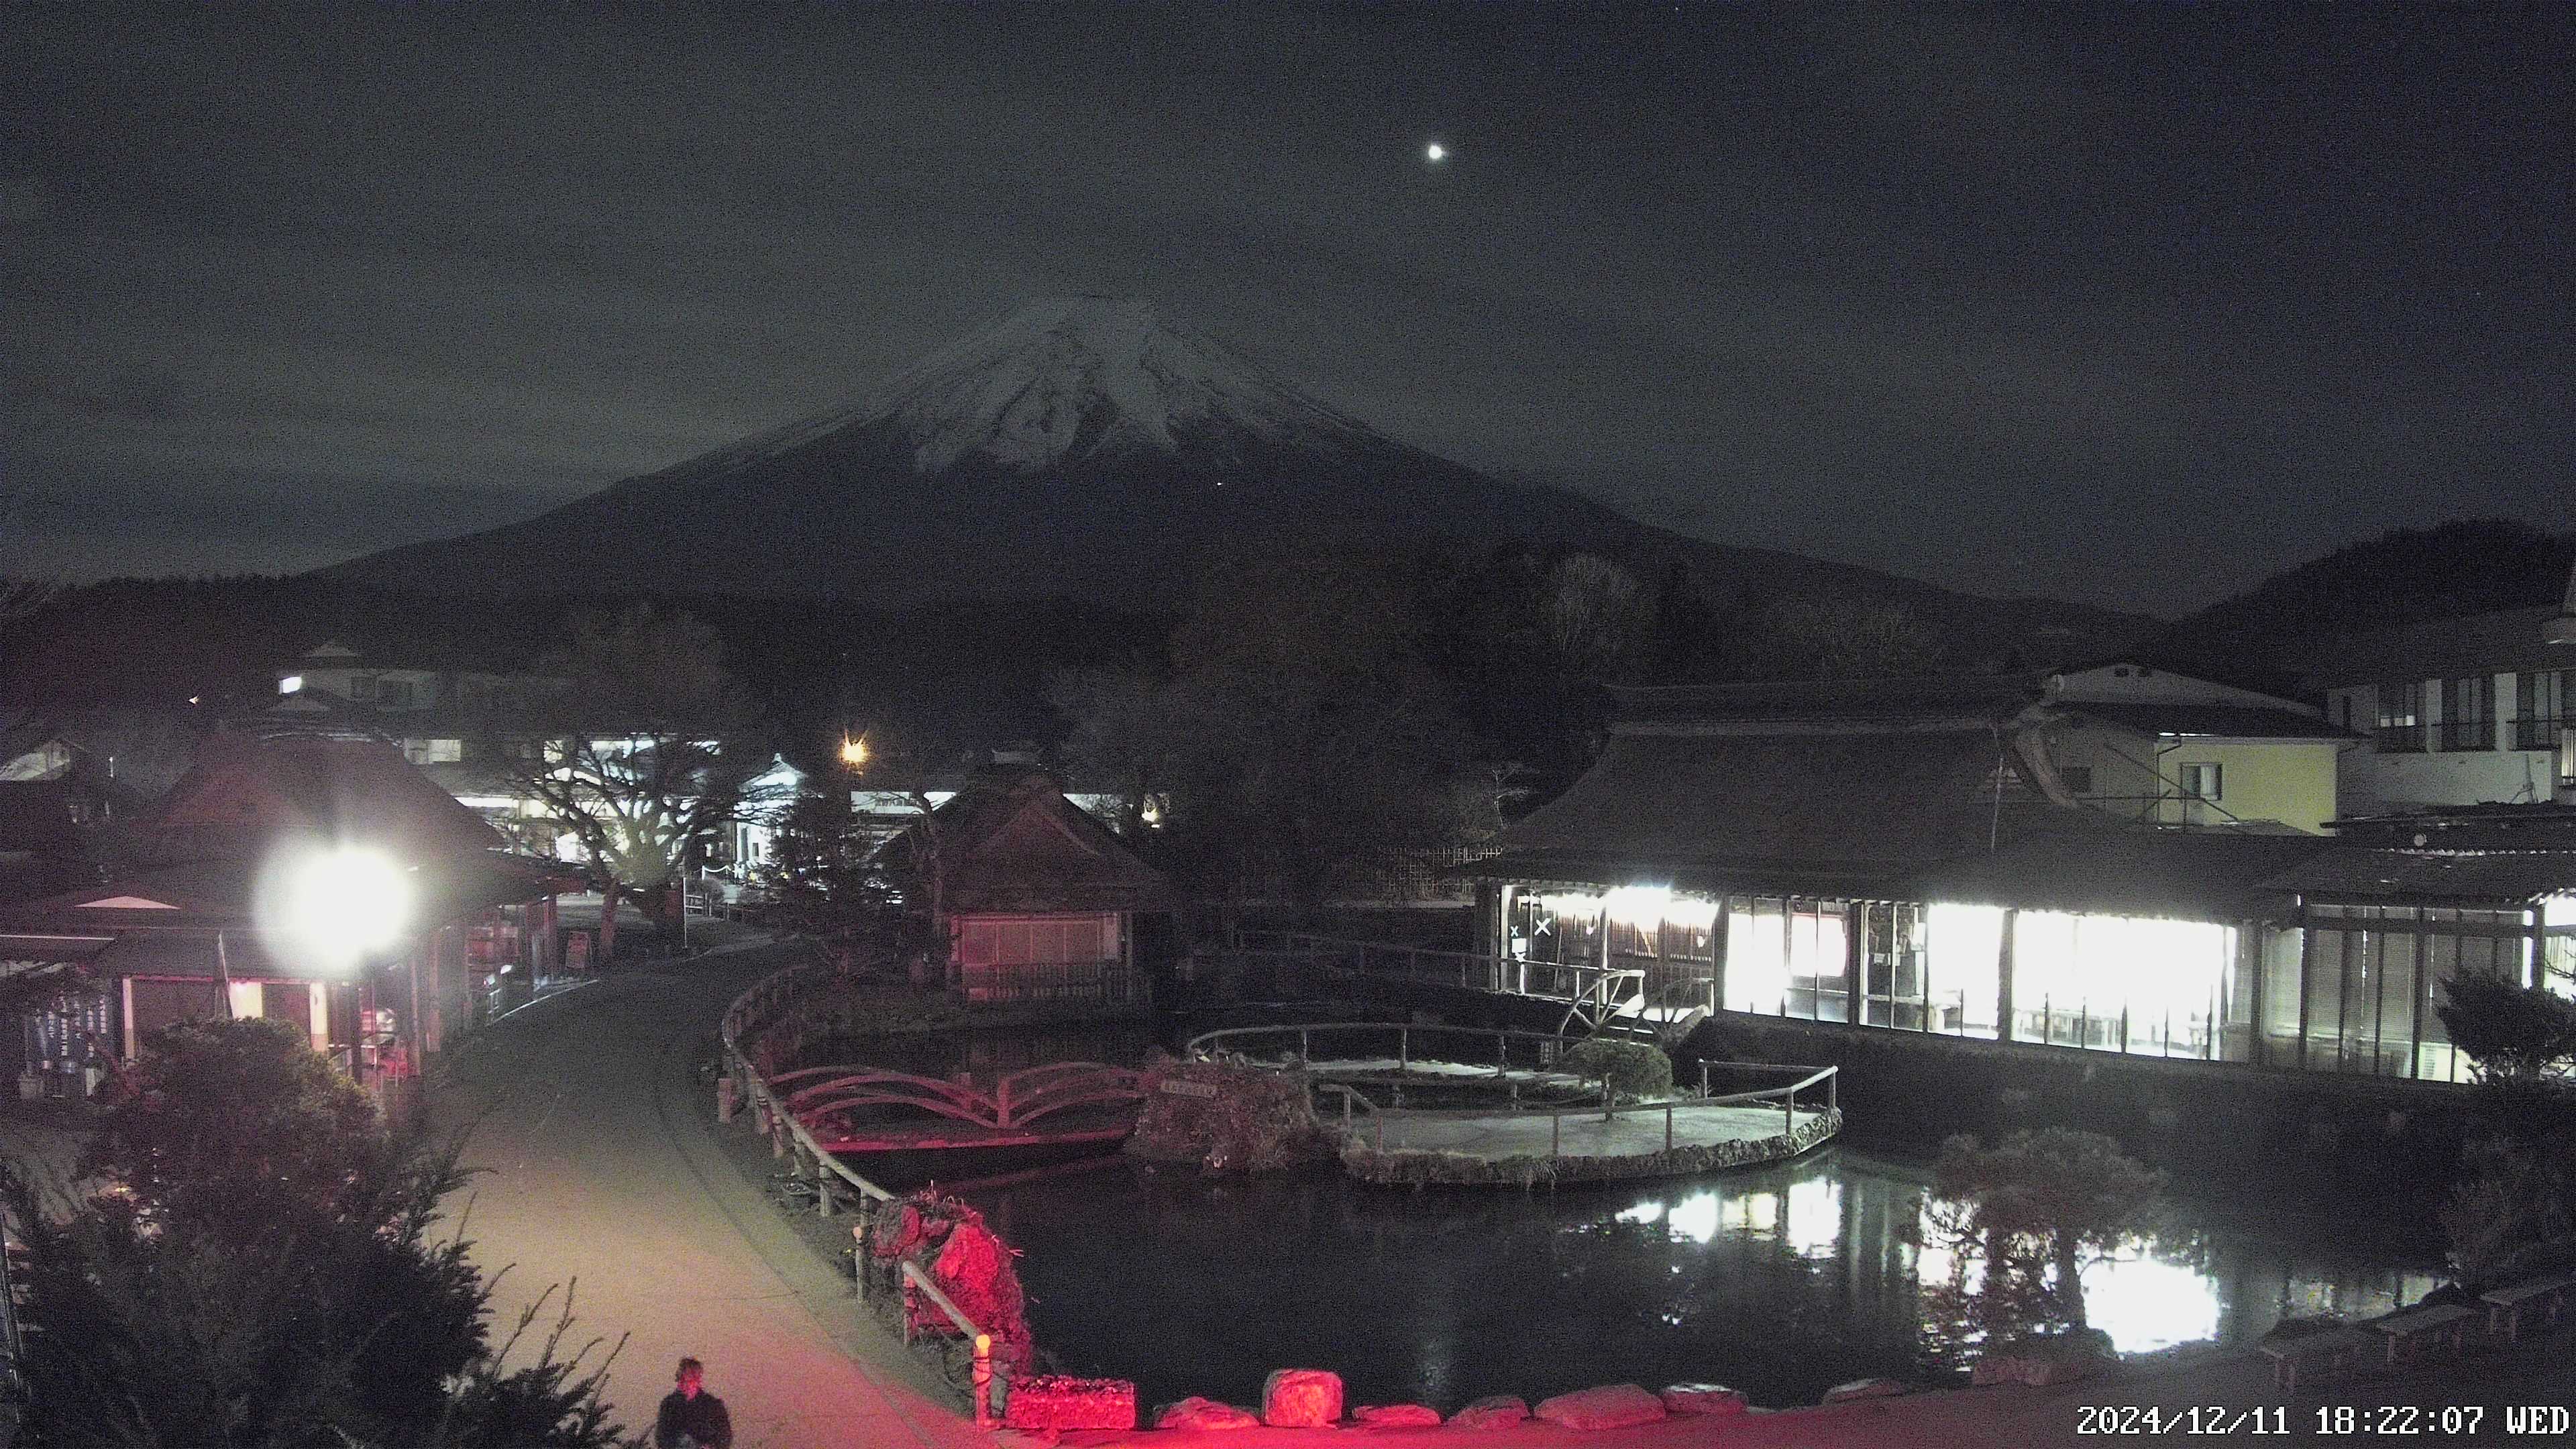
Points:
1438	1167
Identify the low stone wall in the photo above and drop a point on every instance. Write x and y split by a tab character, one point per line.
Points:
1420	1168
1907	1090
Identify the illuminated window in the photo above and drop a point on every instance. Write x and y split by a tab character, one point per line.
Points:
1963	961
2468	713
2401	715
2200	782
2120	983
2544	703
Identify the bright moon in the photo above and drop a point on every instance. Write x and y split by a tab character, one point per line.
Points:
1435	151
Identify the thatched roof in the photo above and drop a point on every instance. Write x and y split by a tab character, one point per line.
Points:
1010	843
1848	812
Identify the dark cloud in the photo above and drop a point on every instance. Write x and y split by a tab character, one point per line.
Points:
2130	305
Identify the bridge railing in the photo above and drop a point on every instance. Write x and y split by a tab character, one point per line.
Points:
760	1005
1404	1035
1596	990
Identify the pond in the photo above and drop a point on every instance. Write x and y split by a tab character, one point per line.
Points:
1779	1281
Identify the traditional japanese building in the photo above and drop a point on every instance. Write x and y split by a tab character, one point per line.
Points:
1032	899
1921	856
314	877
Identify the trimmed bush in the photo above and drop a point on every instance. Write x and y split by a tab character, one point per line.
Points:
1635	1070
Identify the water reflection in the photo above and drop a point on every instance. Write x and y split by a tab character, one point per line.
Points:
1781	1281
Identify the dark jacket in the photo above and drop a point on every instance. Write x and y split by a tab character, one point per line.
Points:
703	1419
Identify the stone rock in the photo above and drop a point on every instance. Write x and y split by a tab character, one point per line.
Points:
1501	1411
1301	1399
1197	1413
1866	1389
1710	1400
1397	1416
1054	1401
1611	1406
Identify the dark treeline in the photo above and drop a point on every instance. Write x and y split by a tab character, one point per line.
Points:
2470	566
1517	639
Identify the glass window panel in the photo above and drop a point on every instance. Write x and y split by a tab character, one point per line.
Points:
2324	1025
2397	988
2047	999
2280	1022
1757	957
2360	1037
1819	962
1962	960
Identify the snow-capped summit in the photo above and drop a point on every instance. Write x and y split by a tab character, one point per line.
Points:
1063	380
1084	447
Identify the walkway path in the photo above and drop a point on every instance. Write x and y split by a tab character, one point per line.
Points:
599	1165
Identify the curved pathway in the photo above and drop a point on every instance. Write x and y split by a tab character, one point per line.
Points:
592	1134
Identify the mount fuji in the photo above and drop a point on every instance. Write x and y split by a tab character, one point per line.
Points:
1083	446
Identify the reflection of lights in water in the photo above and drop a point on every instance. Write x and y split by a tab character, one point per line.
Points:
1755	1212
1644	1212
1694	1217
2146	1304
1814	1223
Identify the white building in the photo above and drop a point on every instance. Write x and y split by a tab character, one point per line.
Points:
2466	711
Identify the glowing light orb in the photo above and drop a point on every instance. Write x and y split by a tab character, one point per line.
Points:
1435	152
330	908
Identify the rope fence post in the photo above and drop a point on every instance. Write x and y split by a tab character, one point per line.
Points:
983	1381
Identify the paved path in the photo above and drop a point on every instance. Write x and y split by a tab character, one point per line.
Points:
599	1165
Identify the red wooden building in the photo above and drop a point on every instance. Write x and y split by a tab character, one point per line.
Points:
194	926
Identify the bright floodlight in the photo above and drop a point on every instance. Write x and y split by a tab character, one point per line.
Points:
854	752
1435	152
332	907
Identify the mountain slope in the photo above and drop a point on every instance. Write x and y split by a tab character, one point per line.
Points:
1088	447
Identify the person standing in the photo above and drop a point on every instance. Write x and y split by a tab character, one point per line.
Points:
692	1418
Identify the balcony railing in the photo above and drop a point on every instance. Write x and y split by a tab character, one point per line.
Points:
2401	739
2468	734
2537	734
1109	983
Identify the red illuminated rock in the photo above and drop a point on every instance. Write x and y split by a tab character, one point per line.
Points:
1197	1413
1056	1401
1302	1399
1611	1406
1397	1416
1705	1400
1865	1389
1499	1412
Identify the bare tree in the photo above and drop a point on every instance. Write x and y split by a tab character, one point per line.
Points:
648	752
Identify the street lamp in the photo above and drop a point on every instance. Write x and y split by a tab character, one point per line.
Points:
854	750
330	907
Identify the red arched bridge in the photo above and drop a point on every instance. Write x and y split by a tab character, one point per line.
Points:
875	1109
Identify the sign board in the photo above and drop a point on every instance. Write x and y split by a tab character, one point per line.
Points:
1189	1089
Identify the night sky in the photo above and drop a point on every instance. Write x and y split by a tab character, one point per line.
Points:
2127	304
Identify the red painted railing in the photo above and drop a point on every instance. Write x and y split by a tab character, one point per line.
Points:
1017	1102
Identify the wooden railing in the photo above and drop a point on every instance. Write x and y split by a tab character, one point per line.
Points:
742	1085
1597	995
1016	1101
1110	983
1548	1049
